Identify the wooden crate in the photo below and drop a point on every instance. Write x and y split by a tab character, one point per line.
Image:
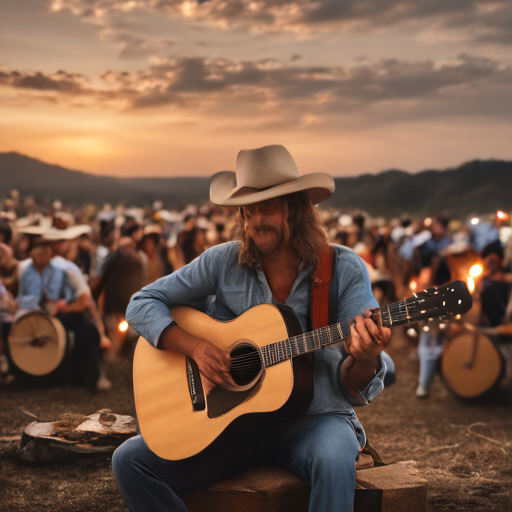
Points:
394	488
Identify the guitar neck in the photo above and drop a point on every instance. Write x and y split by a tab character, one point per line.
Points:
394	314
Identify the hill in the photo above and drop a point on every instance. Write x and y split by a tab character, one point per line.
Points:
474	187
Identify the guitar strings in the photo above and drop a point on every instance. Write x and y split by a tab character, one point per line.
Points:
307	341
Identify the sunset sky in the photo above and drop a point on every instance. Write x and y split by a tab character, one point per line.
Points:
172	87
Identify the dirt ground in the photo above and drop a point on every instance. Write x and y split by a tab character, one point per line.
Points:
464	472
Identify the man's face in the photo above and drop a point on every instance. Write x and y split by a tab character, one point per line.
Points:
41	256
265	226
438	230
61	247
492	264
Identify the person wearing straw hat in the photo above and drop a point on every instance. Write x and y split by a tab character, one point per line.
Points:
281	241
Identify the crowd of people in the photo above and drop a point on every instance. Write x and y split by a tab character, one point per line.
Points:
82	265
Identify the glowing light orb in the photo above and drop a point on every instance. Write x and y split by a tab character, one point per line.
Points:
475	270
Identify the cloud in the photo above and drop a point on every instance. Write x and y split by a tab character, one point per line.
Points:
480	21
60	82
268	92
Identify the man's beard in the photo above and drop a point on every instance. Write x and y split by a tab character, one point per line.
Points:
279	241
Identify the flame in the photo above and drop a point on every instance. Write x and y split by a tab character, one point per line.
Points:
471	284
123	326
476	270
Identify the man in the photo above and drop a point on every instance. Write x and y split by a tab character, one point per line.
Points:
42	285
89	336
281	242
433	271
492	305
74	308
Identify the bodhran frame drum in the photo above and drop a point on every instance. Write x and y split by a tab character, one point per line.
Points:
471	364
37	343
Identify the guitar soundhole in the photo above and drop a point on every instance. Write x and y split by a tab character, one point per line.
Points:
245	364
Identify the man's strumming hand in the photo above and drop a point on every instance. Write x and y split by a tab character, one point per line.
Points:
212	362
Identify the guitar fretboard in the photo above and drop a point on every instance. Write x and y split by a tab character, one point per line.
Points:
304	343
395	314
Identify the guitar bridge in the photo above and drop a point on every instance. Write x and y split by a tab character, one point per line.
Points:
195	386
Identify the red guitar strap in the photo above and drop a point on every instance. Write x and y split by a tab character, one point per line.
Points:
320	291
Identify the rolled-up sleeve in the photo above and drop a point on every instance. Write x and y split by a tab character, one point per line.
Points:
356	297
373	389
148	311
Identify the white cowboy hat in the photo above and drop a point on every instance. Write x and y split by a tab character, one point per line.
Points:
266	173
70	233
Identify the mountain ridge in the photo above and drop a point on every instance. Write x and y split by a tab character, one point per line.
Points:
476	186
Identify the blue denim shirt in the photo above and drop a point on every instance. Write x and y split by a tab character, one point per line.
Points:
215	283
32	284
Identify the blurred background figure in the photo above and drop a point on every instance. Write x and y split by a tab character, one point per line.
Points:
122	273
7	309
191	242
492	305
432	270
154	247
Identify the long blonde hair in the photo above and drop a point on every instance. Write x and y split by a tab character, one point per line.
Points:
303	228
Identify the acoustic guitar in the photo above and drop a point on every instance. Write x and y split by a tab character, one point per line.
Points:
180	412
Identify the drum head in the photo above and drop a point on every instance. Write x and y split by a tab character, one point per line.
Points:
471	364
37	343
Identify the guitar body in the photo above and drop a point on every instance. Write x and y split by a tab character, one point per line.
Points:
168	422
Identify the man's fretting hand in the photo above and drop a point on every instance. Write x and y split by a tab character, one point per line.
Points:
367	340
366	343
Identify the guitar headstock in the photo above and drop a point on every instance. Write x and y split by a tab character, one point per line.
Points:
441	302
448	300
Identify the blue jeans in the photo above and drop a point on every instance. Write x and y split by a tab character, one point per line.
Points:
430	348
320	449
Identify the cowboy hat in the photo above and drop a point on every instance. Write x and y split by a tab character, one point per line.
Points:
266	173
54	234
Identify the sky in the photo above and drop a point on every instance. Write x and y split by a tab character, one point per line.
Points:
178	87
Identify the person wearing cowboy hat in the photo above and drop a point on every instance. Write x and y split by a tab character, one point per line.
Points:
74	310
281	241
